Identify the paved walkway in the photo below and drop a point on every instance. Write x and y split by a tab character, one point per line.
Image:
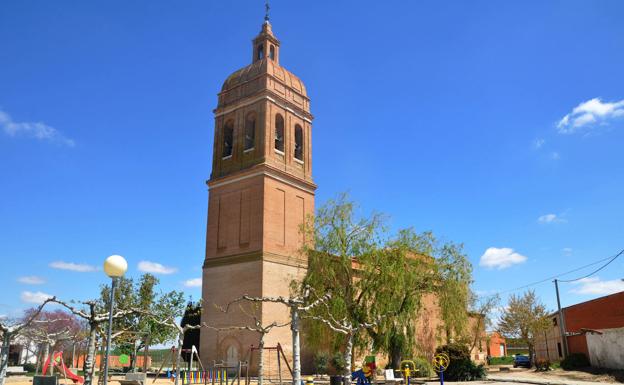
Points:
547	381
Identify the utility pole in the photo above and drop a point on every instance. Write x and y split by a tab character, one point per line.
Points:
562	328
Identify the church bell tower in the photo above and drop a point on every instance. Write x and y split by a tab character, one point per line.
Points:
260	191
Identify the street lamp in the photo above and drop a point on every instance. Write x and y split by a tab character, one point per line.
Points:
115	267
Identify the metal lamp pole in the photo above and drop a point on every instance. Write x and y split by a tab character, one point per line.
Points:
115	267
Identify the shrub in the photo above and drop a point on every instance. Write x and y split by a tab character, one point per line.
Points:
461	367
542	365
574	361
30	367
338	362
321	362
424	367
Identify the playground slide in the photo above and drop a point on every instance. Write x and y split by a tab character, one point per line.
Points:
69	374
57	361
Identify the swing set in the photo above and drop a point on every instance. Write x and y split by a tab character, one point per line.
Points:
279	353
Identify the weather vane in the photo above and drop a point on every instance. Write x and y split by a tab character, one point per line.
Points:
266	8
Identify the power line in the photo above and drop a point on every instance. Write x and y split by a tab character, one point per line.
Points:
595	271
610	259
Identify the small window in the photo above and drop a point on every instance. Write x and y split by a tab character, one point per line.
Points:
228	139
260	52
559	349
272	52
279	133
554	321
298	142
250	131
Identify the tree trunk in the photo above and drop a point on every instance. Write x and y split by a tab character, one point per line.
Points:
39	359
261	359
294	327
395	353
178	357
46	354
4	356
348	353
132	366
89	362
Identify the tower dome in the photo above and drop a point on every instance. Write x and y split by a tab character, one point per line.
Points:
265	74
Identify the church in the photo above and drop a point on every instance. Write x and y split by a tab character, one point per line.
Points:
260	192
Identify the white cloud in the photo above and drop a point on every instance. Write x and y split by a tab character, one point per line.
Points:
155	268
567	251
501	258
36	130
194	282
36	297
31	280
594	286
78	267
555	155
550	218
538	143
590	113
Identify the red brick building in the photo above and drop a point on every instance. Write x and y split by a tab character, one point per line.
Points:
594	328
497	346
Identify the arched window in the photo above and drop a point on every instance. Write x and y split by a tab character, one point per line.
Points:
260	52
228	139
298	142
250	131
272	52
279	133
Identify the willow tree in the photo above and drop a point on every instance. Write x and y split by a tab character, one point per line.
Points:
376	280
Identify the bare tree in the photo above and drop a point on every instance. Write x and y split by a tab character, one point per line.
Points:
257	327
482	308
181	330
298	305
9	331
349	329
94	319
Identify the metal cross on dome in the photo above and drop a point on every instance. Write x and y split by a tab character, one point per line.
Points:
266	8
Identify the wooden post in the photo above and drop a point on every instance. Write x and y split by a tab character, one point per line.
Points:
279	365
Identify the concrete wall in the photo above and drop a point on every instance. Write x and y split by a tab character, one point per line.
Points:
606	350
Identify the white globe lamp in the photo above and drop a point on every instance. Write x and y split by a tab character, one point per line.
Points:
115	266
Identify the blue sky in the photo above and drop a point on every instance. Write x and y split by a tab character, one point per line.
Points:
495	124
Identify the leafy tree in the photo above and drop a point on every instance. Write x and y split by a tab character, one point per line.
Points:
482	309
524	317
137	328
376	282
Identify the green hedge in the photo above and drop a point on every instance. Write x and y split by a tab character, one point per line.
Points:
506	360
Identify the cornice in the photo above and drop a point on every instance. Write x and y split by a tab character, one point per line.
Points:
265	170
254	257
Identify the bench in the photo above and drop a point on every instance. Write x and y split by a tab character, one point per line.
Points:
389	377
134	379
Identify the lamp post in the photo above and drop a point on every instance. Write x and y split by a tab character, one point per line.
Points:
115	267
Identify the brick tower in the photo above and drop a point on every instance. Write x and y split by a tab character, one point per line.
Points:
260	191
